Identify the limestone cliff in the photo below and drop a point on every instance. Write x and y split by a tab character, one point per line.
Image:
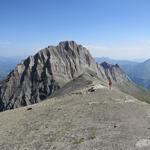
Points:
40	75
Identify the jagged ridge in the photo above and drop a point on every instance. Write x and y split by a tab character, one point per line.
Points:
40	75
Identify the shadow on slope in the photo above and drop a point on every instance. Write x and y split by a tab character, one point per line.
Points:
89	78
82	81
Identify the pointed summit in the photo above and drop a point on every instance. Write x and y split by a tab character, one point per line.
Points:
39	76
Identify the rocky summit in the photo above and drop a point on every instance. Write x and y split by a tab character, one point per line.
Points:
39	76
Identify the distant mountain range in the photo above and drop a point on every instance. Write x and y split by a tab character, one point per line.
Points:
7	64
114	61
138	72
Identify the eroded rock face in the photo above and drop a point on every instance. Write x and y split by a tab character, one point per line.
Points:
40	75
114	72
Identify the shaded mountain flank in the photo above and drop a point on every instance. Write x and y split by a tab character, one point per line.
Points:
39	76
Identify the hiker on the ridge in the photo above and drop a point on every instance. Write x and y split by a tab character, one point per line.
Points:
110	83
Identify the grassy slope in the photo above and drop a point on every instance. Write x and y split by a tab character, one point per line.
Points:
136	91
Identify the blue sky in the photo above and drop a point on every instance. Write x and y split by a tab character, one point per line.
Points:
113	28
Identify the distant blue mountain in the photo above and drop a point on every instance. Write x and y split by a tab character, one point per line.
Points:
114	61
140	73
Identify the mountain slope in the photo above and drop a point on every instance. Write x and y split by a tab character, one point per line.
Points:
40	75
124	83
84	80
81	119
140	74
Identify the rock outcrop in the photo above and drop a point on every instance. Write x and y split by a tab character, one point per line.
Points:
115	73
40	75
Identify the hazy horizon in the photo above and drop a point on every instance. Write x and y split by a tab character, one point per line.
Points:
92	51
115	29
22	57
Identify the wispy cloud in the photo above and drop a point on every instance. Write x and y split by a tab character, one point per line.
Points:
148	41
96	46
148	44
5	43
128	51
100	47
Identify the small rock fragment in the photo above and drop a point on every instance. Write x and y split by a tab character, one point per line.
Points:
29	108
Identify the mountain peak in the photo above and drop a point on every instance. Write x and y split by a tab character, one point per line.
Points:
106	65
68	44
39	76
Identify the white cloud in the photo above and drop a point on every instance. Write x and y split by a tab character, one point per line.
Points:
120	52
95	47
5	43
148	42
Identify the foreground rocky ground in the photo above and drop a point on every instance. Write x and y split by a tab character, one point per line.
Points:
81	120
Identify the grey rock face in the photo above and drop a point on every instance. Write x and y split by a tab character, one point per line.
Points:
114	72
40	75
